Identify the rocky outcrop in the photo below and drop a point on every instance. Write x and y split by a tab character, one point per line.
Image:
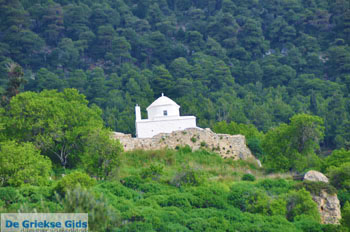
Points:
329	207
228	146
328	203
315	176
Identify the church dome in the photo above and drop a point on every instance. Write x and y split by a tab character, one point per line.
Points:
163	107
163	101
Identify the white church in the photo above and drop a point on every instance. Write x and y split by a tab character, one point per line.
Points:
163	117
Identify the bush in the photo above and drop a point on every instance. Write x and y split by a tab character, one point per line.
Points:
336	159
181	200
185	149
73	180
340	176
36	194
194	139
315	187
187	177
275	186
248	177
101	153
22	164
102	217
248	198
132	182
343	196
116	189
197	224
346	215
154	171
254	145
209	197
150	187
300	203
307	224
10	195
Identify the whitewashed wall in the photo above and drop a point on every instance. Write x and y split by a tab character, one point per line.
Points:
155	112
149	128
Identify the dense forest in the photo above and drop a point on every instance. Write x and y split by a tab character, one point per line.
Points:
257	62
276	71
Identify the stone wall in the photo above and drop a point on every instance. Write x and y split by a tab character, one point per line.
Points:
228	146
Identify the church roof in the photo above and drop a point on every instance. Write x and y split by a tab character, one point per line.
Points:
161	101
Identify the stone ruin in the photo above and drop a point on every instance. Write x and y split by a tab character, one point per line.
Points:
228	146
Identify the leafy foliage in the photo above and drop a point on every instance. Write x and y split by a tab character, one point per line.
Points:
340	176
275	71
22	164
315	188
54	122
73	180
300	203
293	146
251	62
101	216
101	153
248	177
346	215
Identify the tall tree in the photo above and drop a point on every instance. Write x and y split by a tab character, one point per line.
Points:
15	76
54	122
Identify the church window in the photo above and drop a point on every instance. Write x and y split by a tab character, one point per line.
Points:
165	112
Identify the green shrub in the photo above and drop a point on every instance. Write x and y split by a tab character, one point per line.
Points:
117	189
185	149
101	153
336	159
36	194
300	203
194	139
340	176
10	195
175	227
248	177
181	200
275	186
197	224
132	182
203	144
209	197
154	171
102	217
74	180
187	177
343	196
332	228
278	206
150	187
248	198
316	187
307	224
346	215
254	145
23	164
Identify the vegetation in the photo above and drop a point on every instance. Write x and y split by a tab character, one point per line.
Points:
203	195
277	72
22	164
246	62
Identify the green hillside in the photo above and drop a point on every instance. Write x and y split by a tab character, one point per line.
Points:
256	62
176	191
276	71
